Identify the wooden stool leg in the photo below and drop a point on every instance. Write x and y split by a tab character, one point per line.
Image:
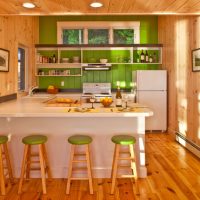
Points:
2	179
114	155
43	175
46	161
70	169
8	163
89	168
28	165
133	160
23	168
114	176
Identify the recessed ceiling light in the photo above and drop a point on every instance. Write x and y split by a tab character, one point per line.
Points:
28	5
96	4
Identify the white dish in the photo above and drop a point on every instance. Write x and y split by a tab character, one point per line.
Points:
103	60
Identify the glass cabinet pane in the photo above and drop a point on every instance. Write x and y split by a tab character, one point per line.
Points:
123	36
72	36
98	36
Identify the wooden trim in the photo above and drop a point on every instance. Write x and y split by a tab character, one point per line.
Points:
95	45
8	97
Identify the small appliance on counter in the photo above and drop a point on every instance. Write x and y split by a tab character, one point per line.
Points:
98	90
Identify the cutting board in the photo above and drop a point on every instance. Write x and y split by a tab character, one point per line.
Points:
64	102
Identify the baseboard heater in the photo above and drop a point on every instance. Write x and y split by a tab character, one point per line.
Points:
188	144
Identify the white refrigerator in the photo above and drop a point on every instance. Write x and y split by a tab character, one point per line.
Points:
151	90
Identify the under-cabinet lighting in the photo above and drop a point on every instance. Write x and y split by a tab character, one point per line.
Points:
97	68
28	5
96	4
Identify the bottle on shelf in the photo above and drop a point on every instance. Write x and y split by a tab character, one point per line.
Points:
142	57
54	58
150	58
146	57
154	58
118	97
138	58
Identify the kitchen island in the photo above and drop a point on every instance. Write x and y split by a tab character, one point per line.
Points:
30	115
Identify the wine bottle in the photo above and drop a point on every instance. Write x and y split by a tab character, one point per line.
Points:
150	58
138	58
154	58
54	58
146	57
118	98
142	57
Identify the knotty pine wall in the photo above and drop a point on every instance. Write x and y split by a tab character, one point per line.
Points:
179	35
14	31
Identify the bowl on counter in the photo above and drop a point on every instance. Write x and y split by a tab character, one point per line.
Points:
103	60
106	102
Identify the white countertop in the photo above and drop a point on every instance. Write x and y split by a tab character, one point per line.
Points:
35	107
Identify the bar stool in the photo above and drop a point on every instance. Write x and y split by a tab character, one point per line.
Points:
123	140
29	141
75	142
4	156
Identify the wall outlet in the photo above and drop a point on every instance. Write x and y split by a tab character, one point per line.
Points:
62	83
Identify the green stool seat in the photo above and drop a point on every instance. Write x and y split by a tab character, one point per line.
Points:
123	139
80	139
3	139
34	139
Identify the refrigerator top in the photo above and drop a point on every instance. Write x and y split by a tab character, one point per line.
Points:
155	80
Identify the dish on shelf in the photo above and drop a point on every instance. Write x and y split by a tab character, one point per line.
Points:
75	59
103	60
65	60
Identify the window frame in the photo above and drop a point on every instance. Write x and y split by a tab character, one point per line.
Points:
26	73
135	25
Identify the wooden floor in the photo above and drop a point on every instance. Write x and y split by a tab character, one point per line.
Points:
173	173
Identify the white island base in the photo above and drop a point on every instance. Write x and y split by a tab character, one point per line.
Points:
58	129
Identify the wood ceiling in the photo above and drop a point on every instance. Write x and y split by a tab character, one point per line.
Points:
110	7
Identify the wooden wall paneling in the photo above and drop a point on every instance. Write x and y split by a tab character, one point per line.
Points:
196	83
15	30
179	35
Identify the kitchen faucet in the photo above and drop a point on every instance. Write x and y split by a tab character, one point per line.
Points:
32	89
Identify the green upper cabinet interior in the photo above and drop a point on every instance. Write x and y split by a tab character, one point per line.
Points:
119	72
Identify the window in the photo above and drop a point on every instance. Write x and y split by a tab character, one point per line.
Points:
72	36
22	72
102	32
123	36
98	36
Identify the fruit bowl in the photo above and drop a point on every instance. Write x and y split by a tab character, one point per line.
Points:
106	102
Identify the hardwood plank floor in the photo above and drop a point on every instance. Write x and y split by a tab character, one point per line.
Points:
173	174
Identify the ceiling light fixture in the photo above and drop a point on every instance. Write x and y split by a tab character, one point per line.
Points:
96	4
28	5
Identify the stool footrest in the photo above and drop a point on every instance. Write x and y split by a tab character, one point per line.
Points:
124	166
77	161
74	178
125	158
126	176
75	169
79	154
